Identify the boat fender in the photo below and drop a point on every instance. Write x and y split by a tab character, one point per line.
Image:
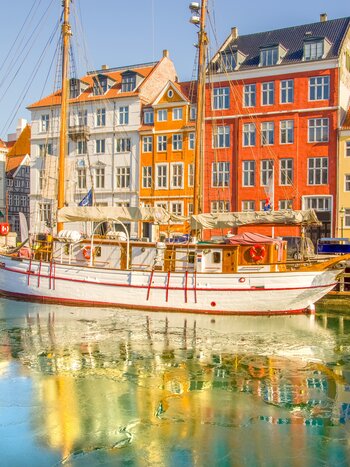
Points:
87	252
257	252
241	279
4	228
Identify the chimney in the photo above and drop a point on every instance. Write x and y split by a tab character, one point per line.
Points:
323	17
166	53
234	32
22	122
104	67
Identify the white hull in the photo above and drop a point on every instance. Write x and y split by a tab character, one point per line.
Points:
239	293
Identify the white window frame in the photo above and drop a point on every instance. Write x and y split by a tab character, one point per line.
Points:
249	135
287	91
101	117
313	50
219	206
190	175
162	142
221	137
347	149
177	141
248	173
148	117
147	143
268	93
177	113
266	171
162	176
269	56
100	146
100	177
286	131
191	140
249	95
286	172
123	145
45	123
220	174
319	87
122	178
177	204
81	178
162	115
318	130
267	130
248	205
147	176
221	98
347	182
317	171
285	204
176	175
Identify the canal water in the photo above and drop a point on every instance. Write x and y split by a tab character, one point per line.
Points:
91	387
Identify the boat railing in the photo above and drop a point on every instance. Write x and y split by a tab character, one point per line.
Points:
127	241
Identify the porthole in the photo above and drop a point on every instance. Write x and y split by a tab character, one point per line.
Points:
170	93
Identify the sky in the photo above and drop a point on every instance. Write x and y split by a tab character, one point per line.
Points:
119	33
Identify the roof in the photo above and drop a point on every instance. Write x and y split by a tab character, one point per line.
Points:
19	150
14	162
346	123
291	38
113	92
3	144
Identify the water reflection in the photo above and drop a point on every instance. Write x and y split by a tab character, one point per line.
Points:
123	388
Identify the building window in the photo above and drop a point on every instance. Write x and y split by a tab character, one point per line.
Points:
228	61
220	174
319	88
176	208
221	137
82	117
269	56
147	142
122	177
318	170
287	91
162	176
285	204
268	93
219	206
128	83
81	178
100	146
190	180
221	98
147	177
193	112
318	130
347	182
81	147
248	205
99	177
249	94
287	132
191	141
267	133
100	117
190	209
161	204
100	85
176	175
321	203
286	171
123	145
45	122
45	149
266	172
162	115
45	213
347	218
23	201
313	50
248	173
41	179
161	143
249	134
124	115
148	117
177	142
177	113
347	149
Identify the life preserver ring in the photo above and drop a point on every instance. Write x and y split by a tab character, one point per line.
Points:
87	252
256	372
257	252
4	228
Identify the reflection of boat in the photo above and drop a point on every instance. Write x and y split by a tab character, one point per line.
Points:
105	381
249	276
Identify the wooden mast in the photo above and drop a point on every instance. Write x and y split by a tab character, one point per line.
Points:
199	145
66	33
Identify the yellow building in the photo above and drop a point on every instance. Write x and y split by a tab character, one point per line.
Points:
343	185
167	139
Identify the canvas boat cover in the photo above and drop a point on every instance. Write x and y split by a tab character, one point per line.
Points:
121	214
238	219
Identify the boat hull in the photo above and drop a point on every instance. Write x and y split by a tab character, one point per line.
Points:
241	293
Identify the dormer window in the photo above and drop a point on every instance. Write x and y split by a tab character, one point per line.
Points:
272	54
230	61
148	117
313	49
269	56
128	83
100	85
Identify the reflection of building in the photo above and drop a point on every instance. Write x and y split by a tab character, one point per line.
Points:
173	393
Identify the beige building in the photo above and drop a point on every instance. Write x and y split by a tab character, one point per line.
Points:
343	185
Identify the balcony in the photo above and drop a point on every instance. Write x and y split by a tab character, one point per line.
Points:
78	132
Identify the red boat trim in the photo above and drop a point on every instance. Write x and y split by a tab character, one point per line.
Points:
73	302
166	287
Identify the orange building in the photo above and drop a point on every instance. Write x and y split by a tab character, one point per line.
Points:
167	141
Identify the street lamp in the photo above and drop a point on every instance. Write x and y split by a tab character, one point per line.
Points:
342	215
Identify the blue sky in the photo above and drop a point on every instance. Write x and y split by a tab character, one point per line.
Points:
118	33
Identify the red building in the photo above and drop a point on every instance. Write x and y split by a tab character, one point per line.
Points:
274	103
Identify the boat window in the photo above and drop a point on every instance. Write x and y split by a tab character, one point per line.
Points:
217	257
191	256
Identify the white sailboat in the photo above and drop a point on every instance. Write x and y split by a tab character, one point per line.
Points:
251	276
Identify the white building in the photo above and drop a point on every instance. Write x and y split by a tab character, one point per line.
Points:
103	148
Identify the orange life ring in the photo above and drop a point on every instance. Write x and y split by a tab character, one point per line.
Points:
257	252
256	372
87	252
4	228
